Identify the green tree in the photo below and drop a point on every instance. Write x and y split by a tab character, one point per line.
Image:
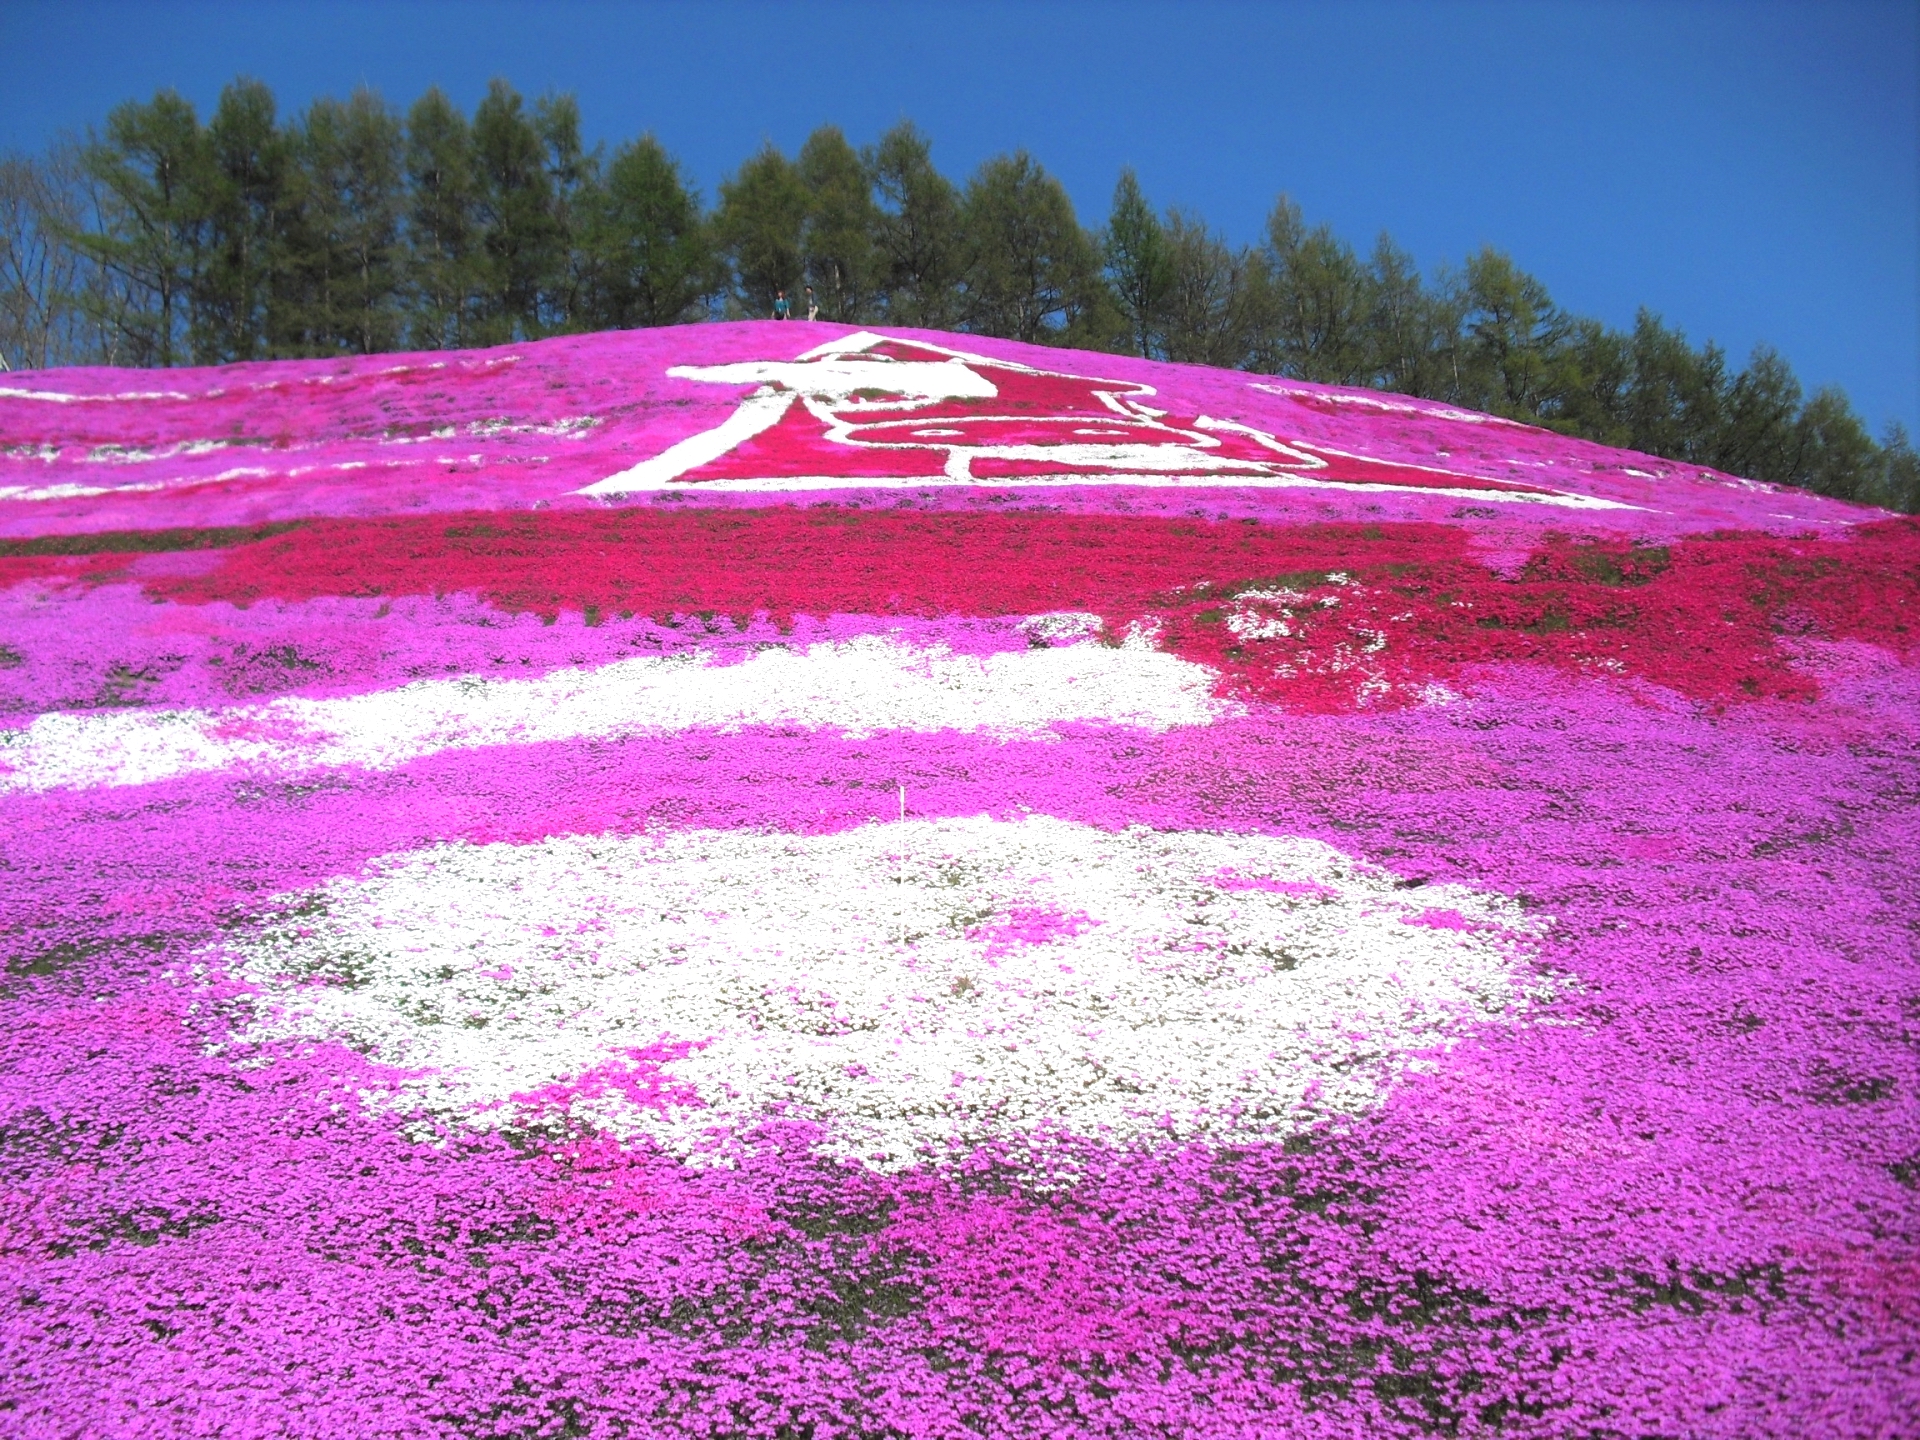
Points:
242	308
1030	270
347	234
150	171
1834	454
917	232
573	173
1320	307
1511	335
1215	298
1409	331
1896	481
760	224
1758	436
443	255
838	241
650	261
519	236
1676	397
1590	378
1139	270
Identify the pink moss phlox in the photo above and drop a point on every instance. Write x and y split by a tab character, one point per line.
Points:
1029	925
636	1076
1676	1198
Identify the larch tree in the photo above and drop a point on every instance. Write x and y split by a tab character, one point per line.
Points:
650	259
443	257
916	230
1138	267
760	225
837	239
1030	269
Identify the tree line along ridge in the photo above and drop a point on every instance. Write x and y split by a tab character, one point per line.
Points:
160	239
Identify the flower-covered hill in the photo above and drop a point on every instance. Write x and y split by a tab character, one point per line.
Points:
776	879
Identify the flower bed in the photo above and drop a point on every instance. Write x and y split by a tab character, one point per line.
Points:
540	902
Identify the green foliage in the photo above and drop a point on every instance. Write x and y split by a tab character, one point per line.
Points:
916	231
760	224
649	258
1320	304
1138	268
1218	300
573	177
240	309
514	197
345	258
837	242
1029	271
1410	330
444	260
151	173
161	241
1895	479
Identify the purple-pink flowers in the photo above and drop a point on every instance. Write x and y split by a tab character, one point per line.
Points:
1063	951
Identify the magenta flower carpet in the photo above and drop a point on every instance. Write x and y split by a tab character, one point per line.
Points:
775	880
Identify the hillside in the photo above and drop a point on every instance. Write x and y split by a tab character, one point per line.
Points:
777	879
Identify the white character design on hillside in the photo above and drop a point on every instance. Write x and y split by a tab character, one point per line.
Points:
868	411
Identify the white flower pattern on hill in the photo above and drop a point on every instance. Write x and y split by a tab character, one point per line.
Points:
857	687
903	986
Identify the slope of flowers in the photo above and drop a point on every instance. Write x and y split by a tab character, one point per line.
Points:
1255	910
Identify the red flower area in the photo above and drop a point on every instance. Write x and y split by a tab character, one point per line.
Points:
1318	617
1061	425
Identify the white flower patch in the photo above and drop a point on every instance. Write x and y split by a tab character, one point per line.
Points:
857	687
906	987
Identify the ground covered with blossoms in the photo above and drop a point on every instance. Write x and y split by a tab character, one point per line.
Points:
774	880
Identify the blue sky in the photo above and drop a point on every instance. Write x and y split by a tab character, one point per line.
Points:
1750	171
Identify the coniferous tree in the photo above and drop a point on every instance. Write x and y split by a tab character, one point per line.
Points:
1895	481
150	170
650	259
443	257
347	251
1138	267
1030	269
1511	333
573	173
1589	376
1408	329
760	226
1757	436
1319	303
1834	454
1215	298
1675	399
916	232
837	241
518	234
242	311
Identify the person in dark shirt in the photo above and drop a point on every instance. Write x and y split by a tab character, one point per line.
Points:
813	306
781	310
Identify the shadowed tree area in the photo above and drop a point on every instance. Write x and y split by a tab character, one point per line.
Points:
162	239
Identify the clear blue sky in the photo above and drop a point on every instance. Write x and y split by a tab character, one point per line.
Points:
1751	171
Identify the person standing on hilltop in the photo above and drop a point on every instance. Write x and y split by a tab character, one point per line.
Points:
813	306
781	310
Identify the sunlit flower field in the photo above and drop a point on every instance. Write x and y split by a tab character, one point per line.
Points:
775	880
